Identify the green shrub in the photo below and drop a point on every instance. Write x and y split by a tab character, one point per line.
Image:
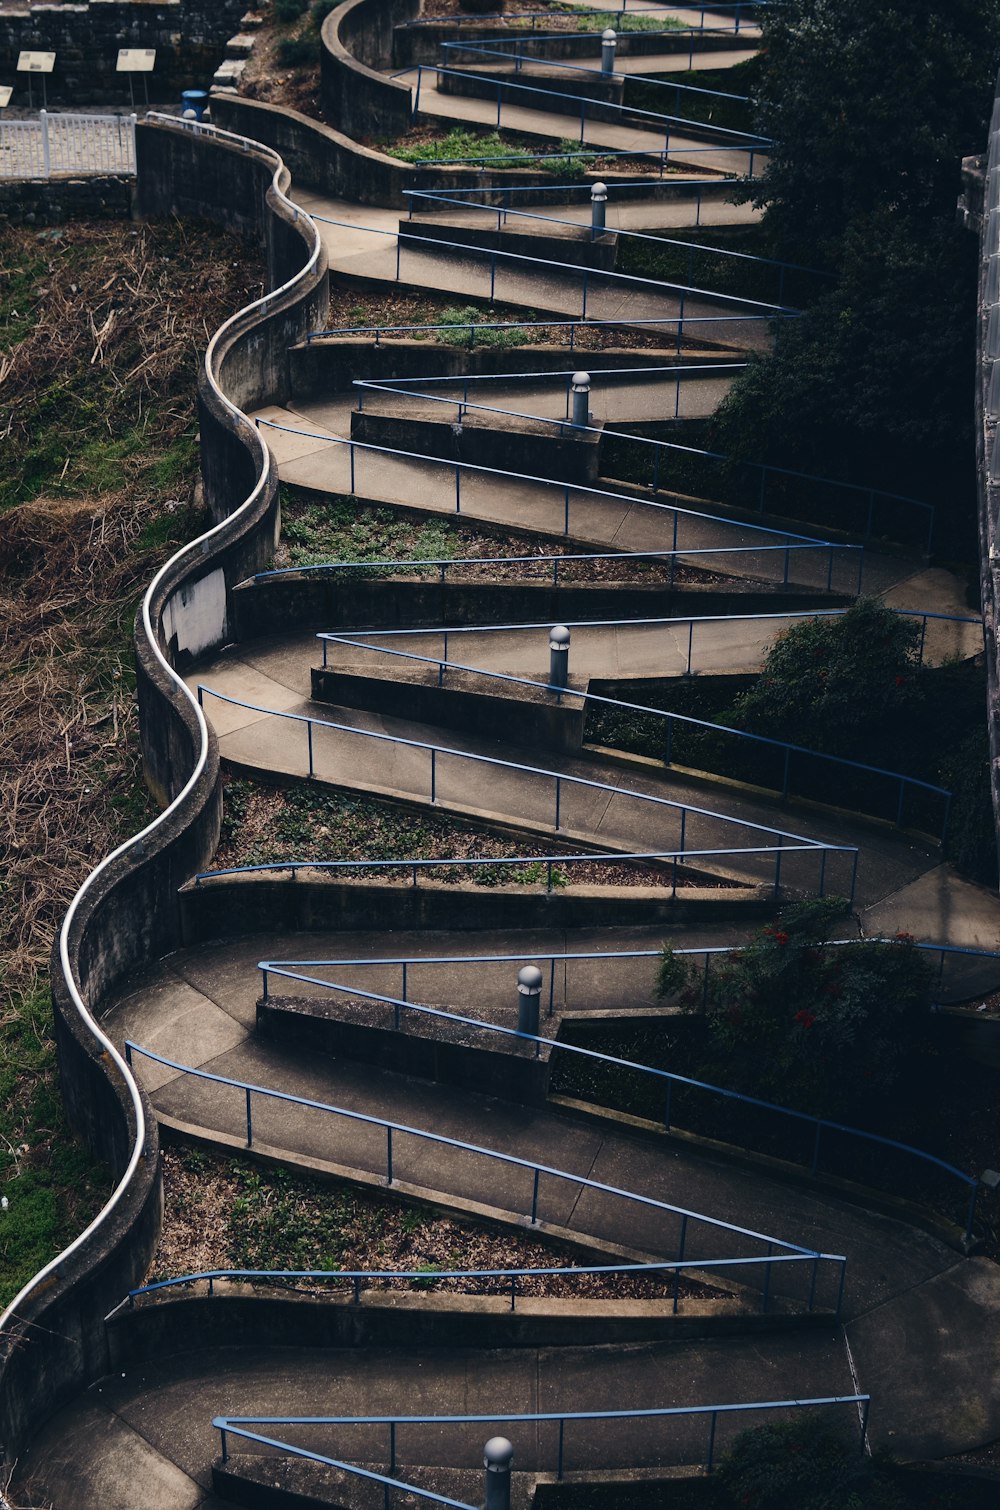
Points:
287	11
298	52
803	1465
823	1029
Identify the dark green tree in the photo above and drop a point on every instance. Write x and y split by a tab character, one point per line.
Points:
844	685
870	107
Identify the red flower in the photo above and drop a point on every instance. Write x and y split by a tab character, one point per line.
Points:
905	938
900	681
805	1018
781	938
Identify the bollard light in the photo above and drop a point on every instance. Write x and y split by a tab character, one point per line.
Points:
609	41
498	1454
529	995
598	207
581	398
559	656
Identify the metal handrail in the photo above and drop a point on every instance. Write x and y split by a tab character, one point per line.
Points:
134	847
781	852
444	562
237	1426
683	808
763	468
499	48
671	1079
726	140
765	310
356	1278
391	1127
669	717
459	467
434	197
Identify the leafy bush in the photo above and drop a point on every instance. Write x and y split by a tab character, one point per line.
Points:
462	318
822	1029
803	1465
299	52
287	11
838	684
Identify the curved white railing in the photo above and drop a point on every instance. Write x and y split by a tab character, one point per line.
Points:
197	547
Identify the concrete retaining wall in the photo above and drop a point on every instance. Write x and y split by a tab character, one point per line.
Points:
274	904
126	914
356	39
473	704
542	449
349	600
445	1053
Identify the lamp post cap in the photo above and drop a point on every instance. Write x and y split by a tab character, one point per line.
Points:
529	978
498	1454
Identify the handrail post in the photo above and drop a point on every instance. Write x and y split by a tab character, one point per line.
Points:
388	1156
534	1199
433	776
225	1445
309	731
249	1119
562	1439
711	1444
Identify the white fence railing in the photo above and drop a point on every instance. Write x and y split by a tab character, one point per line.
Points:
67	144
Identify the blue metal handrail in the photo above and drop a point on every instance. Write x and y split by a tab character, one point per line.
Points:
706	952
536	1169
669	717
356	1278
588	232
788	842
725	139
658	446
567	490
749	309
500	48
670	1078
716	183
765	470
238	1426
552	863
442	563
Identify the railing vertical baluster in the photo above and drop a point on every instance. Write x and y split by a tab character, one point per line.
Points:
225	1445
388	1155
534	1199
433	775
552	965
558	797
559	1459
711	1444
392	1447
309	733
683	1239
249	1120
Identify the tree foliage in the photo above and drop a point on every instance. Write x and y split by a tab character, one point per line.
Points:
840	684
871	108
824	1029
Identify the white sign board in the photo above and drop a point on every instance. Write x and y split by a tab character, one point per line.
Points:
36	62
6	90
136	59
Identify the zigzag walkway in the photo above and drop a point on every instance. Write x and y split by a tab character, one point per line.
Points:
361	243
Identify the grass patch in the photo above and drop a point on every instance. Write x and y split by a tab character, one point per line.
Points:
458	143
341	530
50	1182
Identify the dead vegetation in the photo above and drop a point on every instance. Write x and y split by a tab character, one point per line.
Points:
100	331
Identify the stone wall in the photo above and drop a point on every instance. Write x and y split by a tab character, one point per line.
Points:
189	36
52	201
